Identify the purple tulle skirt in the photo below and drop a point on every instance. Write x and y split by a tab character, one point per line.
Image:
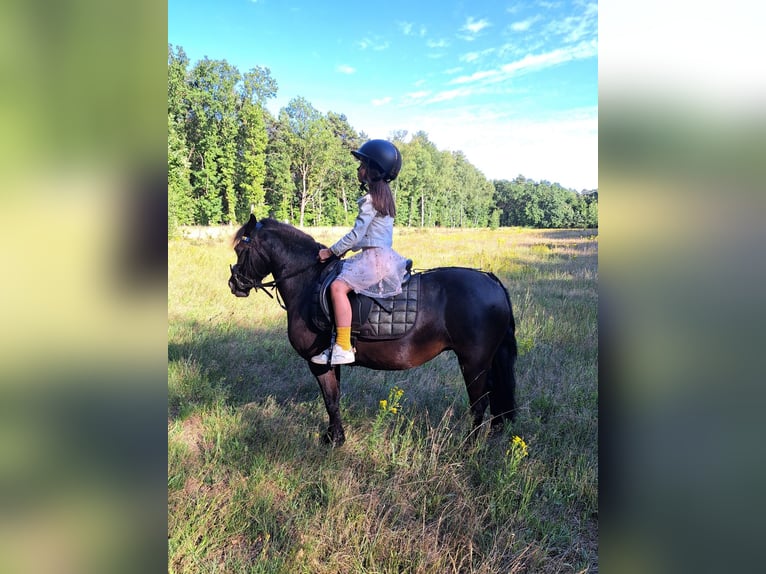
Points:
375	272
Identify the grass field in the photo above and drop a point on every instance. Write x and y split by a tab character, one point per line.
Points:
251	488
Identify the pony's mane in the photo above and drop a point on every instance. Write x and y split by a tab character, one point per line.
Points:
291	235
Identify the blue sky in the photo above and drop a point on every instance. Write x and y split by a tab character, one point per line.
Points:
514	85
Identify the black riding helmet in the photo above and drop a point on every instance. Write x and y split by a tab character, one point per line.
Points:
383	155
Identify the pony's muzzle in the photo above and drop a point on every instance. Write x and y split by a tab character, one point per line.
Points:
235	285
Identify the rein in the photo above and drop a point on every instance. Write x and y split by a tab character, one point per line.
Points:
273	284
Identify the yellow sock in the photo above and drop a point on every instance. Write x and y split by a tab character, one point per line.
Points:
343	338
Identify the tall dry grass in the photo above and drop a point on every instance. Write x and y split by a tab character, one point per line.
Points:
252	489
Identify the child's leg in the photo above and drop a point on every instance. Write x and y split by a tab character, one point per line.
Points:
342	307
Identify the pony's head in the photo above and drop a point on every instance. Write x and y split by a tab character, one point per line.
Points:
265	246
252	265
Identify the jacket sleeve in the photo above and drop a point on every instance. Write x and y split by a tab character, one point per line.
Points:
363	219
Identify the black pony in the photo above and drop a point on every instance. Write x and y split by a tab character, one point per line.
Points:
465	310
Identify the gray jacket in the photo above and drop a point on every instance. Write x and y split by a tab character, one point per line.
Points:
370	230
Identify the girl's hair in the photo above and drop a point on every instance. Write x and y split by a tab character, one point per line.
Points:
382	198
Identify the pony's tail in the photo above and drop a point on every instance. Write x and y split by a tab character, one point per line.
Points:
502	396
502	380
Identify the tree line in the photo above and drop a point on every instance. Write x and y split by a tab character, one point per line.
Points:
228	157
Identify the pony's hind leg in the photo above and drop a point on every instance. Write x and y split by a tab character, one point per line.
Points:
475	377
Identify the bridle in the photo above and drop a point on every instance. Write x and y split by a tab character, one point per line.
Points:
244	282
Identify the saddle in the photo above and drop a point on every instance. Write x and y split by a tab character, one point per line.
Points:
372	318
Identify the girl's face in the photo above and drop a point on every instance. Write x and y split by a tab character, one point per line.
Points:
361	173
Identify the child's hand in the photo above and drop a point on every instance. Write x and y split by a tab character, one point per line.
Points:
325	254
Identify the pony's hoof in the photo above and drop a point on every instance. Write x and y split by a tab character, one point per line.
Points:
496	427
334	437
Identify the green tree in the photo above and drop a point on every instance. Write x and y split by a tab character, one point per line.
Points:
475	194
211	136
310	138
592	217
531	204
178	63
591	208
494	218
552	199
180	201
428	184
518	199
256	87
251	167
417	181
339	197
278	182
459	190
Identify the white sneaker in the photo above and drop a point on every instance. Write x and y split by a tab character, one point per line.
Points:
340	356
322	358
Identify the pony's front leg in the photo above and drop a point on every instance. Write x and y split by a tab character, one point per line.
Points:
329	382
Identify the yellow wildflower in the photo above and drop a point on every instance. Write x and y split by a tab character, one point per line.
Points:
518	444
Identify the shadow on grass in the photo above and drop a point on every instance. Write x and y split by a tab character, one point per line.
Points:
235	364
240	366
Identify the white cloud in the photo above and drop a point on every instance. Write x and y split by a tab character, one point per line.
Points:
344	69
474	26
381	101
532	62
473	56
409	29
442	43
450	95
476	76
538	61
373	44
544	4
522	26
418	95
575	28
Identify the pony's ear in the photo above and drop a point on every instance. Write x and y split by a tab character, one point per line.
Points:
251	225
